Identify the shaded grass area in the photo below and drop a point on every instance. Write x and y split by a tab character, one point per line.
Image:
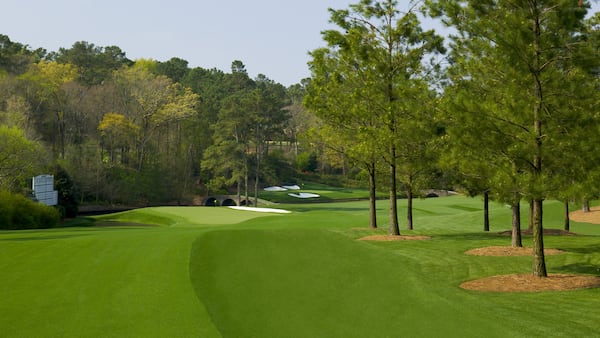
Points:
118	282
211	272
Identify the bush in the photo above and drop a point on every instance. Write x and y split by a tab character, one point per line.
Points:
307	162
17	212
68	193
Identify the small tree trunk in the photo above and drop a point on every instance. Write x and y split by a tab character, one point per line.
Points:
567	218
409	214
586	205
256	185
246	188
516	225
257	176
239	192
372	197
486	211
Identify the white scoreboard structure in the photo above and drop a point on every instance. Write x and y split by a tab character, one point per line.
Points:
43	189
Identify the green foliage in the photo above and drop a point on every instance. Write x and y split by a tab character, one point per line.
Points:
19	212
19	158
68	193
307	162
95	64
370	86
16	57
175	69
277	169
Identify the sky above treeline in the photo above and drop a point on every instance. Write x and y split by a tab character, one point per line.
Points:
271	37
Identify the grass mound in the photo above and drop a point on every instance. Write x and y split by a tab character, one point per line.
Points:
182	216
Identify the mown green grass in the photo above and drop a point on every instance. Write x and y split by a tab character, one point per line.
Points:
326	194
182	216
216	272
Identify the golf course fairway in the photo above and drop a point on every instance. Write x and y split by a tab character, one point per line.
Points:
218	272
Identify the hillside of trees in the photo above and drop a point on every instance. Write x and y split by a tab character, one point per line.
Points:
145	132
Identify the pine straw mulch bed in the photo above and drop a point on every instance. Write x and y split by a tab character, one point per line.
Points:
529	282
586	217
522	282
500	251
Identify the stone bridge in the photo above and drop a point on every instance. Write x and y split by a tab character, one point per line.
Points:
224	200
437	193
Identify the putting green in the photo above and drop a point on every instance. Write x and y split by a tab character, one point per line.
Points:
185	216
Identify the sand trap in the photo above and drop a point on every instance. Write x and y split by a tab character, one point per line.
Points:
291	187
304	195
275	189
279	211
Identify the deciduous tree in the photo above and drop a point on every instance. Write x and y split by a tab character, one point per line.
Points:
381	51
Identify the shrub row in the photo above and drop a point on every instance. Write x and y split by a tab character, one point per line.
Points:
18	212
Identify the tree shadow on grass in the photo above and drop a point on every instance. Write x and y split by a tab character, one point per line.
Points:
588	249
40	238
478	236
579	268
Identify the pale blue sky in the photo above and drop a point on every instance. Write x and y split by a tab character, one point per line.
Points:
272	37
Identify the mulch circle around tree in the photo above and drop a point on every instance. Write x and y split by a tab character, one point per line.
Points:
529	282
500	251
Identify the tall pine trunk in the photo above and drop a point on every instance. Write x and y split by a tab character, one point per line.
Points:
394	228
372	197
539	261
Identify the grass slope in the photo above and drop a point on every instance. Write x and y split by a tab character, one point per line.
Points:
211	272
114	282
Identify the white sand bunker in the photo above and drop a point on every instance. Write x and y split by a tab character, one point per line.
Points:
275	189
279	211
304	195
283	188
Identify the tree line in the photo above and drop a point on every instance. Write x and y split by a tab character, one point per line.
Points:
511	112
143	132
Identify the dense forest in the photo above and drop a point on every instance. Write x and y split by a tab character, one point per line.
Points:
507	107
145	132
